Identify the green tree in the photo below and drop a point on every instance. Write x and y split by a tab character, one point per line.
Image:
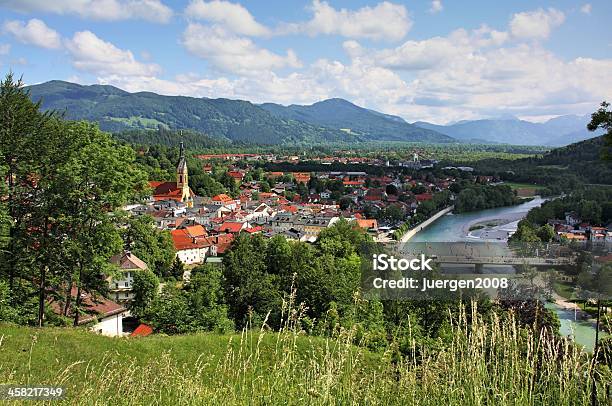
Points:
177	269
170	312
546	233
602	118
145	288
147	242
251	291
206	297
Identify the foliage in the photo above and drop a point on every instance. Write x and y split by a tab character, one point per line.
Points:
222	119
488	361
150	244
602	118
65	182
480	197
198	307
145	288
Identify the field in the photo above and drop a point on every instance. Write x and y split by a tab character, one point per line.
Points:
494	363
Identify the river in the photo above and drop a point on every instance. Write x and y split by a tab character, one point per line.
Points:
494	225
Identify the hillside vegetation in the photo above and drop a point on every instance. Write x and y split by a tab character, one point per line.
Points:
236	120
343	115
561	169
494	362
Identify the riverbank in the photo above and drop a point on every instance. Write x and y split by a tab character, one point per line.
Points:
412	232
456	227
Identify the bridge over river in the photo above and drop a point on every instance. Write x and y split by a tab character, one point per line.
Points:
503	260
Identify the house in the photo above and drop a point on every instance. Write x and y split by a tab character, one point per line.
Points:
224	200
238	176
192	244
423	197
312	226
368	224
301	177
572	218
233	227
120	285
374	195
178	190
282	222
105	316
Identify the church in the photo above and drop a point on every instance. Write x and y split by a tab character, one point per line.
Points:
179	190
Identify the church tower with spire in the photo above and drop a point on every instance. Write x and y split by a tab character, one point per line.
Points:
182	178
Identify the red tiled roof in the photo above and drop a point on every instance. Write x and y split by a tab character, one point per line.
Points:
166	191
231	227
142	330
236	174
95	306
222	198
196	231
367	223
183	241
423	197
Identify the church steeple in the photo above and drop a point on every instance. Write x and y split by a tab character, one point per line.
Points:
182	176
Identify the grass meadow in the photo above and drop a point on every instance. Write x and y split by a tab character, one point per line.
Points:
493	363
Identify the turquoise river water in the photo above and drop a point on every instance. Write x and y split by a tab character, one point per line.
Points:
500	222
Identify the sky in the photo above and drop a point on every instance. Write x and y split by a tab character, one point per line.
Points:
439	61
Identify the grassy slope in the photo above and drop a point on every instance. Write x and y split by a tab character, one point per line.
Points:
485	363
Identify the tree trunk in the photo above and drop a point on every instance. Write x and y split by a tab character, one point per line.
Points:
68	300
41	295
77	305
11	256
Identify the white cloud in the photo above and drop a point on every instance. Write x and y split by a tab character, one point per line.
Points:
109	10
536	24
232	16
523	80
231	53
432	52
436	6
383	21
586	8
91	54
34	32
5	49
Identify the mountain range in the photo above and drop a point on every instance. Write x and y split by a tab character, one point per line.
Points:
236	120
558	131
345	116
332	120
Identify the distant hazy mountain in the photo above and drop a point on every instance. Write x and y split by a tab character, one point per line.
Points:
343	115
558	131
236	120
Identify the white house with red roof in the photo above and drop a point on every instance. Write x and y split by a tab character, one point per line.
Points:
224	200
105	316
192	244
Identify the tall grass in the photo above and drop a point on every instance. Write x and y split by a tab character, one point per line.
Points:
487	363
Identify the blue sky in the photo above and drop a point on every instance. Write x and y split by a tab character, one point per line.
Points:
438	61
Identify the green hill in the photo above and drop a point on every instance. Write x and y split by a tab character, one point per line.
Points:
559	170
234	120
484	363
343	115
